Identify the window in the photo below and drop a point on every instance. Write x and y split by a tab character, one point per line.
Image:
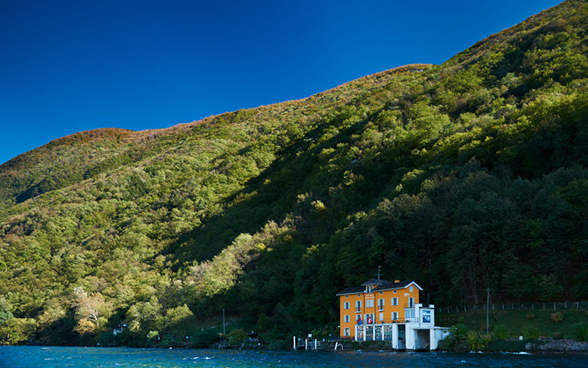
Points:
369	303
358	306
347	296
346	305
347	332
394	316
394	301
411	302
381	292
394	291
411	289
358	295
381	304
426	316
369	318
346	318
381	317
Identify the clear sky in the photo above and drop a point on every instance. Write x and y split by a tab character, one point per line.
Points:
72	65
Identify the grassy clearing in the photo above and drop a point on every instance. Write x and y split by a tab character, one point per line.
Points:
519	322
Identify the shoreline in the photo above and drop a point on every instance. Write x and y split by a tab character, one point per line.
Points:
562	346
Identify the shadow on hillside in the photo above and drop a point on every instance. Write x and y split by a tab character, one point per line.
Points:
274	194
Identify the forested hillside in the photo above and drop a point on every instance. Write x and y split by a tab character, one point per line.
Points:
464	176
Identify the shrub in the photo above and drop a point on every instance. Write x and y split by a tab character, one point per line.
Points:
152	335
238	335
557	336
382	345
206	338
556	317
501	332
457	338
263	323
477	341
483	327
472	340
108	339
532	333
581	331
280	344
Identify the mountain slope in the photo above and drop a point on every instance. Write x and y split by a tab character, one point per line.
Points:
463	176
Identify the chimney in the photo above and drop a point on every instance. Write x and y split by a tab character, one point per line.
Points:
397	281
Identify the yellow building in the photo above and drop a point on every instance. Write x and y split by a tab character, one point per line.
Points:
385	310
376	302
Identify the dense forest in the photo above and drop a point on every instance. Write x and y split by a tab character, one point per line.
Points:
463	176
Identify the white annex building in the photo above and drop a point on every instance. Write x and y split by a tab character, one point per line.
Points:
417	332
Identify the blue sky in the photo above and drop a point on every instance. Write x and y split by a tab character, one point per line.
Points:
69	66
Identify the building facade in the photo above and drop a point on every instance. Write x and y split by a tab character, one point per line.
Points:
385	310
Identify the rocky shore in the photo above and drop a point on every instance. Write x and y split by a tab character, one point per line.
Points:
537	346
563	345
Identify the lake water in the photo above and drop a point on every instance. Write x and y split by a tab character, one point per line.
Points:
37	356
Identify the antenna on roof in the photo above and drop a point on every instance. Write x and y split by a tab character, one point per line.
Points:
379	272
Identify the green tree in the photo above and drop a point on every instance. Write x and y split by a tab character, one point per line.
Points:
5	314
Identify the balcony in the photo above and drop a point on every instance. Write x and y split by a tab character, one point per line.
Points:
410	314
388	321
407	305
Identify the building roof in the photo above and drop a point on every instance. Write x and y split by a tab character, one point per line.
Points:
373	282
382	285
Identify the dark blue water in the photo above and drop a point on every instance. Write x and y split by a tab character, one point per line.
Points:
36	356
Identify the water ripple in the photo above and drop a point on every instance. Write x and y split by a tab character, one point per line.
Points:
58	357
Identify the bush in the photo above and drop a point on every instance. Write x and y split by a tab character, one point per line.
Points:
152	335
280	344
457	338
532	333
263	323
108	339
206	338
581	331
557	336
477	341
237	335
130	339
556	317
501	332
